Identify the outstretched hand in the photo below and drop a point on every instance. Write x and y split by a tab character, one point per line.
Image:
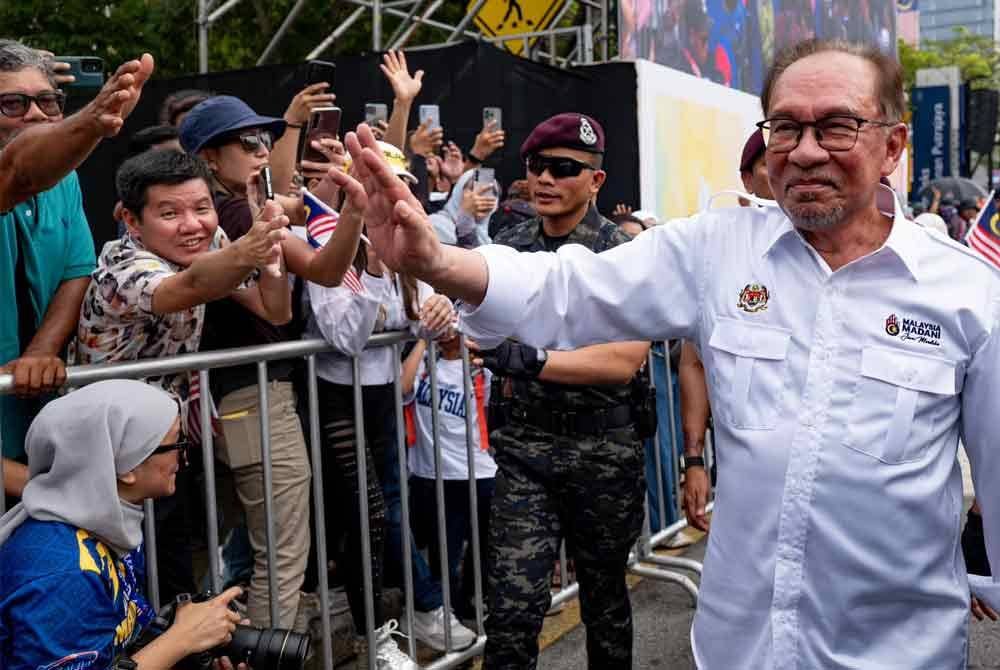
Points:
404	86
396	223
120	94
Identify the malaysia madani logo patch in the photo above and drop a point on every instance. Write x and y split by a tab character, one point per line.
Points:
892	325
753	298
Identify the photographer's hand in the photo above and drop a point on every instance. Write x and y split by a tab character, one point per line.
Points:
207	625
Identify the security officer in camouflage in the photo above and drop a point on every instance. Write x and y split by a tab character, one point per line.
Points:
570	463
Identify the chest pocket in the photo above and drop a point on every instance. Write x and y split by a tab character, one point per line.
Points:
748	369
901	402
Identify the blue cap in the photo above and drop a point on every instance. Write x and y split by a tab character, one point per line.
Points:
219	115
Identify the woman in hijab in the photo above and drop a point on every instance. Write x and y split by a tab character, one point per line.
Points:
464	219
71	557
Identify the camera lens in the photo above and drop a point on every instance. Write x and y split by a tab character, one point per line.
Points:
91	65
267	649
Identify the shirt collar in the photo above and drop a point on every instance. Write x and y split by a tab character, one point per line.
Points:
902	240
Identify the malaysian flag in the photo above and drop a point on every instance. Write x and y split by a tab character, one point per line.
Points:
984	236
321	221
194	408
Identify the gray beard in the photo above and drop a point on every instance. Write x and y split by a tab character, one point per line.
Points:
816	221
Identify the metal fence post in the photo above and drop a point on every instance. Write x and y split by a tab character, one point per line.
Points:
264	414
208	465
319	511
442	519
152	566
673	430
366	541
474	541
404	503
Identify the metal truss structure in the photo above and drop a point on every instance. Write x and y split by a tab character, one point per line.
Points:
587	42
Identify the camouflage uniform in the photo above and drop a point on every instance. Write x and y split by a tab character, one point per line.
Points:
585	488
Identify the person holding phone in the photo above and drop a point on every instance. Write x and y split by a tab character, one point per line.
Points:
236	143
464	219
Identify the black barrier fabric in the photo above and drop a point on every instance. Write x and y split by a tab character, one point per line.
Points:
461	79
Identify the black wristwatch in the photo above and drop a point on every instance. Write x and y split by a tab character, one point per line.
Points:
693	462
473	158
125	663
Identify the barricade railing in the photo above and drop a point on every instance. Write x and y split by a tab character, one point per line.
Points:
642	561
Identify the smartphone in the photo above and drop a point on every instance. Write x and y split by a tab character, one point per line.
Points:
88	70
486	176
320	70
265	186
323	122
375	112
493	114
432	112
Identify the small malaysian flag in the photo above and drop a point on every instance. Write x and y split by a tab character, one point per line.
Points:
321	221
984	237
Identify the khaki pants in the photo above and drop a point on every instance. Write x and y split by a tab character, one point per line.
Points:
240	447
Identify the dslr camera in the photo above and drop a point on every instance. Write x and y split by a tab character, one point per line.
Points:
259	648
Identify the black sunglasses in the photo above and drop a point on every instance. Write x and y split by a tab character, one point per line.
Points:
182	445
252	140
558	166
16	105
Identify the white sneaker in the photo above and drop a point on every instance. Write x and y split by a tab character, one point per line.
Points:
388	656
428	627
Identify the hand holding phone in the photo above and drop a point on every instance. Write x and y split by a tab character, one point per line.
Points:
375	112
324	122
319	71
494	114
432	112
85	71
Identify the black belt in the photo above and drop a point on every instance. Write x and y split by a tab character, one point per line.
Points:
583	422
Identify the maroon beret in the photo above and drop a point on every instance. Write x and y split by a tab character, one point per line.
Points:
752	150
569	131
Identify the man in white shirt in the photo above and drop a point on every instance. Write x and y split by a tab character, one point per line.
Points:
846	350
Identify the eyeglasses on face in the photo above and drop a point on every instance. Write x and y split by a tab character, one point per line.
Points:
833	133
559	167
16	105
182	445
252	140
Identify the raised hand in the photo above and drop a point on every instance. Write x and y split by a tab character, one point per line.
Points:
261	246
404	86
453	164
119	95
396	223
306	100
425	141
621	209
489	140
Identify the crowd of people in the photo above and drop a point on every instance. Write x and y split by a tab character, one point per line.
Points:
821	260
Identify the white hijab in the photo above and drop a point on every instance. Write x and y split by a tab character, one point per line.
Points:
77	447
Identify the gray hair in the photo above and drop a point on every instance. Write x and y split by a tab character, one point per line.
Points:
15	56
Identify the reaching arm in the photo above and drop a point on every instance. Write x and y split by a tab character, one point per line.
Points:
695	409
216	274
614	363
29	166
408	377
405	88
270	299
283	154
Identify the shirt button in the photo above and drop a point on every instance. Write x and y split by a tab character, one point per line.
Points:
910	375
27	212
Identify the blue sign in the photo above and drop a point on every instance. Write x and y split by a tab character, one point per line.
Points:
931	135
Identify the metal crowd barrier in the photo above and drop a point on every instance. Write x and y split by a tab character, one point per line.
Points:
642	561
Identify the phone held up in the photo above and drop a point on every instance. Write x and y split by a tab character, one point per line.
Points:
432	112
375	112
320	70
486	177
324	122
87	70
494	114
265	186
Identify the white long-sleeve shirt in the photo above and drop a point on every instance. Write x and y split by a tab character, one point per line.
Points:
347	319
839	399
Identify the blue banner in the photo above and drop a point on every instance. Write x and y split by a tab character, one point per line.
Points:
931	135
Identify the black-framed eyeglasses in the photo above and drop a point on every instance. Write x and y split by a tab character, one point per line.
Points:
253	140
558	166
16	105
833	133
182	445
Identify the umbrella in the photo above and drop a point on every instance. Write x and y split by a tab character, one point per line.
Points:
954	188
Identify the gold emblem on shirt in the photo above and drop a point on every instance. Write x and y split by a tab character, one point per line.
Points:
753	298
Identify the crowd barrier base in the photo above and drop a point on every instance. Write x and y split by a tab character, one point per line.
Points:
641	562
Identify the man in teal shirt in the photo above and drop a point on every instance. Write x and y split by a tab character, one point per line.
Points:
46	249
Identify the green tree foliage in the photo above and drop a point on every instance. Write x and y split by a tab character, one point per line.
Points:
116	30
976	56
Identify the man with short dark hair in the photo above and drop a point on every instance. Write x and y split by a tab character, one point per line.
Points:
46	249
570	465
847	350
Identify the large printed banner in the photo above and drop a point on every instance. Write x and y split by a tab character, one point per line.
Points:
931	134
691	135
731	42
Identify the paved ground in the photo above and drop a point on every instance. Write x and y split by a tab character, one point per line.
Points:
663	613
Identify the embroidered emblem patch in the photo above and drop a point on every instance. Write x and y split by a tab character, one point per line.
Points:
81	659
892	325
913	330
753	298
587	134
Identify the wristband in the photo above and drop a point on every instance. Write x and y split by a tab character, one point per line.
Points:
473	158
293	125
693	462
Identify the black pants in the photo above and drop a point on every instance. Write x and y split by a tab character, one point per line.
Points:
340	485
175	518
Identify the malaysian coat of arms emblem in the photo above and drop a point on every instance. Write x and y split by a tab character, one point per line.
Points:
753	298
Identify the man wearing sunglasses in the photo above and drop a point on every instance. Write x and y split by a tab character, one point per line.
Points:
570	466
46	249
844	362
